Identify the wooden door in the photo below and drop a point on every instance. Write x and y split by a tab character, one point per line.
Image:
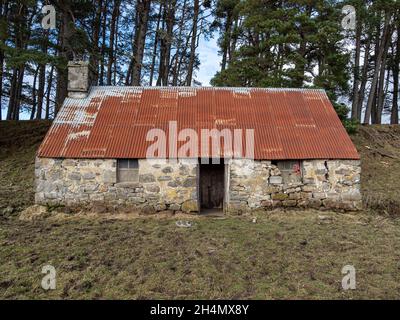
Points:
212	186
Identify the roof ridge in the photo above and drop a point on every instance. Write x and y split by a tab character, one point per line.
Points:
209	88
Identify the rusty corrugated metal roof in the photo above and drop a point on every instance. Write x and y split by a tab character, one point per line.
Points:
113	122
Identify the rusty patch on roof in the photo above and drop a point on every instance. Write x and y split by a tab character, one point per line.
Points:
113	122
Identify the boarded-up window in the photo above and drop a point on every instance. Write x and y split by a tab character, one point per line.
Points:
290	170
128	170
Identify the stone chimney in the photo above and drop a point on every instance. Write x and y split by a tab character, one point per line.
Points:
78	79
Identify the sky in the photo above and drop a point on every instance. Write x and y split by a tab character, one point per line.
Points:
209	59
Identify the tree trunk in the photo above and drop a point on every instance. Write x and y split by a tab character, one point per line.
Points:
66	54
142	18
49	86
22	27
226	40
1	81
40	94
193	43
17	102
166	42
381	84
372	94
114	21
364	79
179	53
103	45
182	58
155	46
11	100
42	80
94	57
234	38
3	14
34	94
394	118
356	74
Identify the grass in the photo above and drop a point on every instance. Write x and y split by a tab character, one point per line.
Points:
19	141
285	255
379	147
291	256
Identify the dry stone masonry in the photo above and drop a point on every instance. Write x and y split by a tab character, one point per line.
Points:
324	184
93	183
173	185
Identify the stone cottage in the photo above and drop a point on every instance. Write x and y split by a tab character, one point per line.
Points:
195	149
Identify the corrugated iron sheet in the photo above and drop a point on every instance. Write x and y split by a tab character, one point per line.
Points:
113	122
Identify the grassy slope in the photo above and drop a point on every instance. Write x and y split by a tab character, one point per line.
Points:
280	257
290	256
18	144
379	147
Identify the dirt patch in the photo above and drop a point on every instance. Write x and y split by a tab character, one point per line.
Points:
33	213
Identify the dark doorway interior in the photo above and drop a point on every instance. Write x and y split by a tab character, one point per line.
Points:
212	186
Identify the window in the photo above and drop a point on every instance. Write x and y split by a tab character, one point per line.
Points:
128	170
290	170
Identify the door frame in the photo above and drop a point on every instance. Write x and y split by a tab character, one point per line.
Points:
226	186
225	198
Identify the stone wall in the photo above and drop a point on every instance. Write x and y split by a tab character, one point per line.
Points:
93	183
324	184
173	186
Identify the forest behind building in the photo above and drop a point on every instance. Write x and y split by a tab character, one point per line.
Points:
353	55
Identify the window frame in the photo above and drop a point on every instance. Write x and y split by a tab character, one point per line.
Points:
286	172
131	168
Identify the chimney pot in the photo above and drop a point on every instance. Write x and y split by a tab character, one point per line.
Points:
78	79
